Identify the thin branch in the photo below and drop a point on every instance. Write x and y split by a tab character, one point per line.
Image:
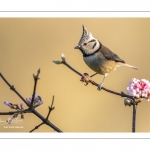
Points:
36	127
122	94
13	89
66	64
35	84
50	108
46	121
134	117
13	112
32	110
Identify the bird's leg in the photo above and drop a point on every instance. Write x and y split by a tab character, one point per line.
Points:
100	85
93	74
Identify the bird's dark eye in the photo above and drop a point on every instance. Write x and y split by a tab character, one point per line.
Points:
84	43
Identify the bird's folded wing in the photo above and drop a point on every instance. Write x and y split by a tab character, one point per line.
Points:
108	54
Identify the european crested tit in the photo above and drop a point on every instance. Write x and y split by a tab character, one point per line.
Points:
98	57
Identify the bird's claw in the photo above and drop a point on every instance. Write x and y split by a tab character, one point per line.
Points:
85	78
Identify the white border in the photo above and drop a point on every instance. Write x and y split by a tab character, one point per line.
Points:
74	5
51	135
74	14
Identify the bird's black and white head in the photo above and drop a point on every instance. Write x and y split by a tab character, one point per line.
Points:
88	44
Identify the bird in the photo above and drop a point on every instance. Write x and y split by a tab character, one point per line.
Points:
98	57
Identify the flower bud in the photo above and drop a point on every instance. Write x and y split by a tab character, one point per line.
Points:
62	56
127	101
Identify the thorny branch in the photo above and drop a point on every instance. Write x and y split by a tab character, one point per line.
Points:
30	109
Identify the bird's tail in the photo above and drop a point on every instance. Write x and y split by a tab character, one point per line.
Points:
127	65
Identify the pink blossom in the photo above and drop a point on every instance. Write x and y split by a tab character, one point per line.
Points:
10	120
21	105
28	100
7	103
37	100
139	88
15	106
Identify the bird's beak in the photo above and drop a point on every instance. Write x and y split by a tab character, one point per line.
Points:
77	47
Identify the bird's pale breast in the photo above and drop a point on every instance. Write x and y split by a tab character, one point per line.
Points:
99	63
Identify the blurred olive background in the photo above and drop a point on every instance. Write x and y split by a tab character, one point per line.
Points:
27	44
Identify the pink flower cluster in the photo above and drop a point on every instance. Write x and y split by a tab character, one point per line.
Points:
139	88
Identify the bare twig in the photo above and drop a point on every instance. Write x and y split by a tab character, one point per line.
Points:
13	89
134	117
32	110
66	64
36	127
122	94
35	83
50	108
46	121
13	112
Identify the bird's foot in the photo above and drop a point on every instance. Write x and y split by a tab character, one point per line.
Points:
86	78
99	87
